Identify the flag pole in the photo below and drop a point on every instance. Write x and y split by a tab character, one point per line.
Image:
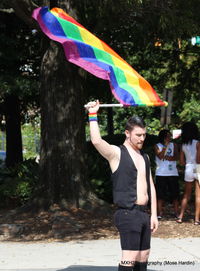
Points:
108	105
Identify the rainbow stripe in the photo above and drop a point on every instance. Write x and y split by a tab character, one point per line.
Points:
92	116
87	51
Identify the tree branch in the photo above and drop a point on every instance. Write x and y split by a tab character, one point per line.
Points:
23	9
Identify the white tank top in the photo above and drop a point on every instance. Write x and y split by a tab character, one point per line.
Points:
165	167
190	151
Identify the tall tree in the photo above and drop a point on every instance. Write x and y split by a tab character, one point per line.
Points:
62	164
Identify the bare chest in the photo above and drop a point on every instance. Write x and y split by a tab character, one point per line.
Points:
139	162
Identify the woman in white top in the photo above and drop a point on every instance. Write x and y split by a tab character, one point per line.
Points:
190	156
166	172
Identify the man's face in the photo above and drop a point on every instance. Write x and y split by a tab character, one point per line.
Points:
136	137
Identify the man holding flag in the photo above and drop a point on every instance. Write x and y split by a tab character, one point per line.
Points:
133	190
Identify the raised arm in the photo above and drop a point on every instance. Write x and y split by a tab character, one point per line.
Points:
108	151
160	153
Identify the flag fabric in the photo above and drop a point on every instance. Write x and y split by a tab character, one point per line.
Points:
84	49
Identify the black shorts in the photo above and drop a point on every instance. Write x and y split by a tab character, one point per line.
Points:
167	187
134	229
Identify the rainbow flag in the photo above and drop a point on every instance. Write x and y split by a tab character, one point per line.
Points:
87	51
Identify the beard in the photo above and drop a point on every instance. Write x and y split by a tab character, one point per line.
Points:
135	145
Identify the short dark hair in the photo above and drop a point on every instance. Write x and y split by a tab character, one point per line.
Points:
134	121
189	132
162	135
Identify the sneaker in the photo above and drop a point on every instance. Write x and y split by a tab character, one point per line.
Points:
159	217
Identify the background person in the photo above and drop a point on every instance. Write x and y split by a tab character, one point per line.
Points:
166	172
133	188
189	157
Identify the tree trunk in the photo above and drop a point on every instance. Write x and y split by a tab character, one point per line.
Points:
165	118
63	143
13	131
62	129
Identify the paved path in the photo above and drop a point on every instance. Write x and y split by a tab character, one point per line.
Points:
99	255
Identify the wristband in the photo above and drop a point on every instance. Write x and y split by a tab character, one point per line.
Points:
92	116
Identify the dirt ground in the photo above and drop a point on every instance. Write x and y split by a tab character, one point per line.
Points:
79	224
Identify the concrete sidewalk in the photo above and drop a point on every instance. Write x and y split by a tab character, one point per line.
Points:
99	255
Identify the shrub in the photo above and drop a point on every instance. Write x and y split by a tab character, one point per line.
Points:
17	185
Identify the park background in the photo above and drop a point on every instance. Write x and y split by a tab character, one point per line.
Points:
50	163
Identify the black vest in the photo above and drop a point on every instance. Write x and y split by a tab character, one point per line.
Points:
124	180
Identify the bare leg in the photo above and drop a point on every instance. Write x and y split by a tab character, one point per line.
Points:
141	265
129	257
176	206
134	259
197	201
144	255
186	198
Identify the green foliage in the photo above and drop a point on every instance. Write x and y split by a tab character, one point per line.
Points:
17	185
2	140
154	38
154	126
191	111
31	140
